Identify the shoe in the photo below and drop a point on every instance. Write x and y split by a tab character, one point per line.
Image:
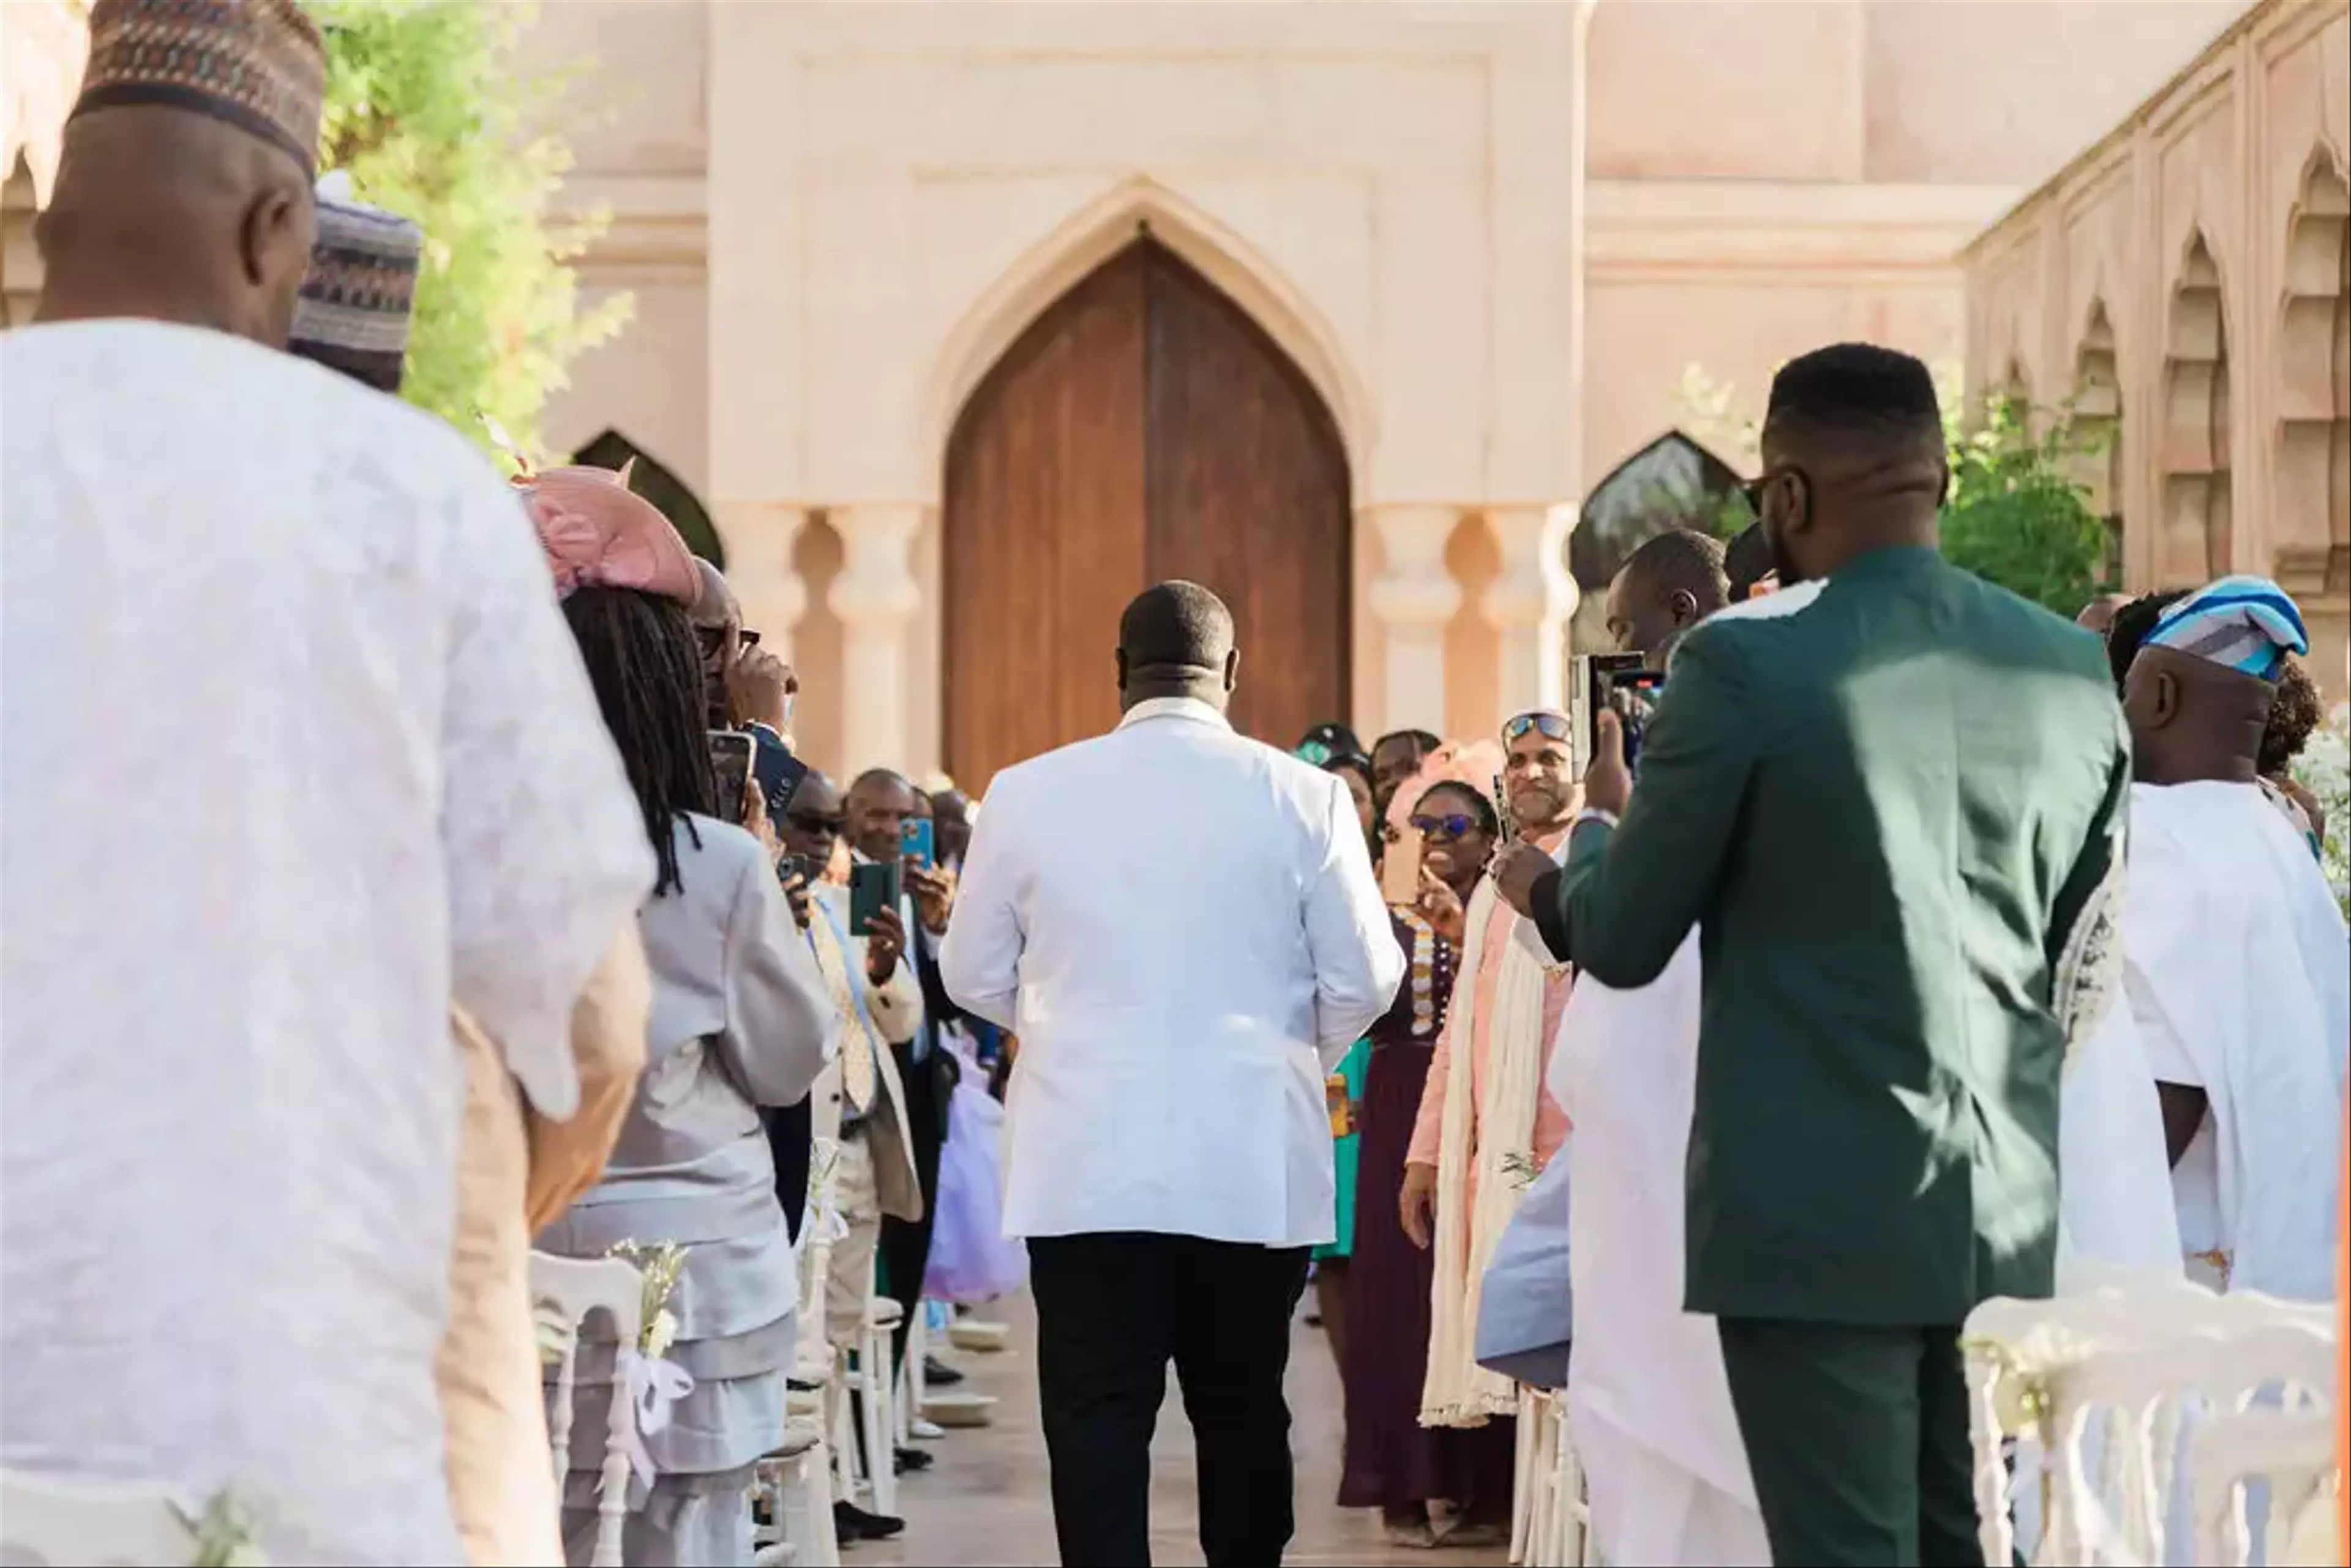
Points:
1464	1536
937	1373
914	1459
851	1522
799	1385
924	1431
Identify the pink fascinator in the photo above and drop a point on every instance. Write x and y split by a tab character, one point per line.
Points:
1475	765
598	532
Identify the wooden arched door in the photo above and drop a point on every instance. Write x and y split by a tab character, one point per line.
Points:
1143	428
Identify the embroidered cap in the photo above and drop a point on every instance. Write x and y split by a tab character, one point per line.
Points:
258	65
353	312
2245	624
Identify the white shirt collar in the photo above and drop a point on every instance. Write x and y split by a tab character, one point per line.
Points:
1191	708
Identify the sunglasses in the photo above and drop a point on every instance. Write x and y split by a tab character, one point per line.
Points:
1459	825
1550	726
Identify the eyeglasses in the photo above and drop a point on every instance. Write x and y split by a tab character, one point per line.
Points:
1550	726
809	822
1460	825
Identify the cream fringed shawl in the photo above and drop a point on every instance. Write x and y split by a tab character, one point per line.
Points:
1471	1216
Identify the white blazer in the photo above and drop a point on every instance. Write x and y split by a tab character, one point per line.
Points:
1182	928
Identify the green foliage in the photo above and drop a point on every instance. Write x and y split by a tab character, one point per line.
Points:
2017	515
433	116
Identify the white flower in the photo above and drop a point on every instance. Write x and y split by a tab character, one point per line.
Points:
2325	769
660	1333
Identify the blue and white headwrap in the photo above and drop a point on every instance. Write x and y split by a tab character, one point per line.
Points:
2244	623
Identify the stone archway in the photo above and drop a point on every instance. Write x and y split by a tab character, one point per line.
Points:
1144	427
2310	525
2194	534
651	478
2095	411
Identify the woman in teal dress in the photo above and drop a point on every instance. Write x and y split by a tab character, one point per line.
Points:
1345	1087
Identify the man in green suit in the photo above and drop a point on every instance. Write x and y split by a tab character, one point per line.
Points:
1890	796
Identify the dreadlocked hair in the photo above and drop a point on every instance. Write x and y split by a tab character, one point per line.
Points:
646	666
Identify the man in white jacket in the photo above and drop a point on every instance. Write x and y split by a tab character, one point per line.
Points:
1183	928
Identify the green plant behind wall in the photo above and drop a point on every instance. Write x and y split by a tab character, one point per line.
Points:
432	112
2017	515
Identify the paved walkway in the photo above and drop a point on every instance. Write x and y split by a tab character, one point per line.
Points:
985	1501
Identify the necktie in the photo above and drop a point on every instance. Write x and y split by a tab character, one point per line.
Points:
835	957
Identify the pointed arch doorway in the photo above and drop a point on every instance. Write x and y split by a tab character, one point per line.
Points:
1143	427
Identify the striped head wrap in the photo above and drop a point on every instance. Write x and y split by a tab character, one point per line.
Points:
2244	623
258	65
357	300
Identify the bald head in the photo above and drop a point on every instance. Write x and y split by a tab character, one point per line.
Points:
1175	640
165	215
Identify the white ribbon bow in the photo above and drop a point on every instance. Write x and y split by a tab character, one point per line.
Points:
652	1385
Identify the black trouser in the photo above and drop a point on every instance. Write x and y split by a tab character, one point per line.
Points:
1113	1310
1857	1439
905	1244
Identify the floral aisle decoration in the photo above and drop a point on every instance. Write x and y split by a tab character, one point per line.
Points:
226	1531
2325	769
653	1384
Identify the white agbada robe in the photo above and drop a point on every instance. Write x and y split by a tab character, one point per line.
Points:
299	753
1647	1398
2238	976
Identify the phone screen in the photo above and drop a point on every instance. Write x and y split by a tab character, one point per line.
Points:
1631	697
1602	672
917	841
779	774
1400	869
731	752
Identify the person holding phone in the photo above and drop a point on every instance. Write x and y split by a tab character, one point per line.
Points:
885	808
1394	1463
740	1022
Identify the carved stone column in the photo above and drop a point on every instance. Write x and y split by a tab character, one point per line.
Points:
1413	599
760	536
1530	602
876	597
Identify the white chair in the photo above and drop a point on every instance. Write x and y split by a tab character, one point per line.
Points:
576	1286
1558	1516
2294	1452
2101	1382
877	1401
113	1524
797	1479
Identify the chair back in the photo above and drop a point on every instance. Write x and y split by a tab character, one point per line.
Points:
2294	1452
573	1287
110	1525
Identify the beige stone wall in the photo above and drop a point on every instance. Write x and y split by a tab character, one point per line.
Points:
2187	278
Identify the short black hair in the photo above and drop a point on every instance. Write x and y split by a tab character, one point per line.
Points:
1423	743
1684	558
2295	712
1175	631
1856	392
873	777
1747	560
2132	625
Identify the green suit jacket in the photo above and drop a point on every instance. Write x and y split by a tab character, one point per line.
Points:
1888	802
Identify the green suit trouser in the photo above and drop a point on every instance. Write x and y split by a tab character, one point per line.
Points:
1857	1439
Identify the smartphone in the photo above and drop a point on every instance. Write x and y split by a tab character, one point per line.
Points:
779	774
872	887
1400	869
918	841
731	754
1594	679
1631	697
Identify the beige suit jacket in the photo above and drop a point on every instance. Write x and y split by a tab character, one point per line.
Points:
518	1171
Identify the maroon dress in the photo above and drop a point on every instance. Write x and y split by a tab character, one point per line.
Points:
1392	1460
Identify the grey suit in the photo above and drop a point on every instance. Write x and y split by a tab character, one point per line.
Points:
741	1019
